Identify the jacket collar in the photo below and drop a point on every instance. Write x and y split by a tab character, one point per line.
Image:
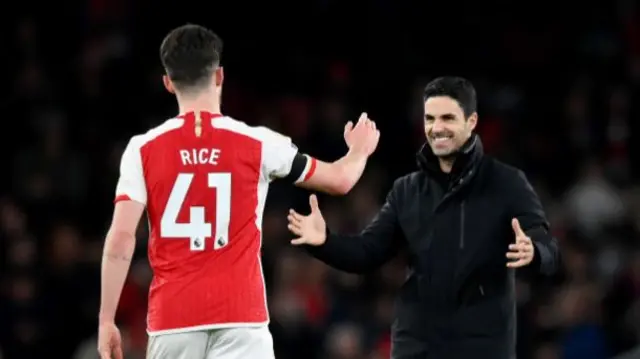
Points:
468	157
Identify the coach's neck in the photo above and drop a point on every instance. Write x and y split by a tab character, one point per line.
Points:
207	101
446	164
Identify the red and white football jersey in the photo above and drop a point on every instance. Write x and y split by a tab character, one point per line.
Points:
205	196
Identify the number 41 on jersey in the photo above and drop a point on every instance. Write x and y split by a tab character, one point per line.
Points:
197	229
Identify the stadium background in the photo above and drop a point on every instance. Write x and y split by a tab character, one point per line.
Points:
559	89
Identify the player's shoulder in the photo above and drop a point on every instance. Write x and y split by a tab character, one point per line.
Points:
259	133
141	139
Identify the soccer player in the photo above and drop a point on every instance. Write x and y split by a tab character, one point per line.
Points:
203	178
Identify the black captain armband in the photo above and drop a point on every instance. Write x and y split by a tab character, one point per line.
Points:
302	168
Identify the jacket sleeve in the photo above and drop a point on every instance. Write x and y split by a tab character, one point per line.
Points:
364	252
526	207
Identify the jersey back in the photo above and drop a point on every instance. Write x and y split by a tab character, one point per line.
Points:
205	193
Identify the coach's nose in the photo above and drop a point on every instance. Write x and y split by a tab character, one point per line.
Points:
438	126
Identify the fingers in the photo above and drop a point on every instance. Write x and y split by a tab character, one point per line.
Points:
348	127
364	123
297	230
517	255
295	225
362	120
363	117
364	136
372	134
519	259
313	202
521	247
295	222
520	253
298	241
515	224
369	124
295	216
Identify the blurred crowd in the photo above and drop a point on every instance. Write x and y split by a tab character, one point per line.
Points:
561	103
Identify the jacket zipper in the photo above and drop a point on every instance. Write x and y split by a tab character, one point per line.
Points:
462	225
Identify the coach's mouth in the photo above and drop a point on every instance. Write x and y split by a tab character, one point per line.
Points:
441	138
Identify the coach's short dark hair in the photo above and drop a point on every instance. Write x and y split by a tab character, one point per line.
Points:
190	54
457	88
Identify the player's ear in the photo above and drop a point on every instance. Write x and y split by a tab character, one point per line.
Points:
219	76
168	84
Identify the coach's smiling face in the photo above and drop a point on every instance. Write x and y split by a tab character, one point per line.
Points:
446	126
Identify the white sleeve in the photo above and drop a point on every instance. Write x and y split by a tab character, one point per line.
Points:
131	184
278	154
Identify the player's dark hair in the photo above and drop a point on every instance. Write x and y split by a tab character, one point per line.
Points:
457	88
190	54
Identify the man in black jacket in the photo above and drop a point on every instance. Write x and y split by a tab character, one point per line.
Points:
466	221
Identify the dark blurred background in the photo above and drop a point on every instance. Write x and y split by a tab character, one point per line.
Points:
559	90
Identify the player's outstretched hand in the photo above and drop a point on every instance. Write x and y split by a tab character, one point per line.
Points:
521	252
109	341
363	137
310	229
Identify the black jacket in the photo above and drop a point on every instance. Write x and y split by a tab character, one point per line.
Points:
458	300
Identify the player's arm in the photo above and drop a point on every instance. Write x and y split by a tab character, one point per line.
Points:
337	177
283	160
131	197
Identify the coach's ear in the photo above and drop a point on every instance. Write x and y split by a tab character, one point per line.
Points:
219	76
472	121
168	84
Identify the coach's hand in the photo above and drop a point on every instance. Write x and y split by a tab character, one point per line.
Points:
363	137
520	253
109	341
310	229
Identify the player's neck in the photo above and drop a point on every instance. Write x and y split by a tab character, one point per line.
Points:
204	101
